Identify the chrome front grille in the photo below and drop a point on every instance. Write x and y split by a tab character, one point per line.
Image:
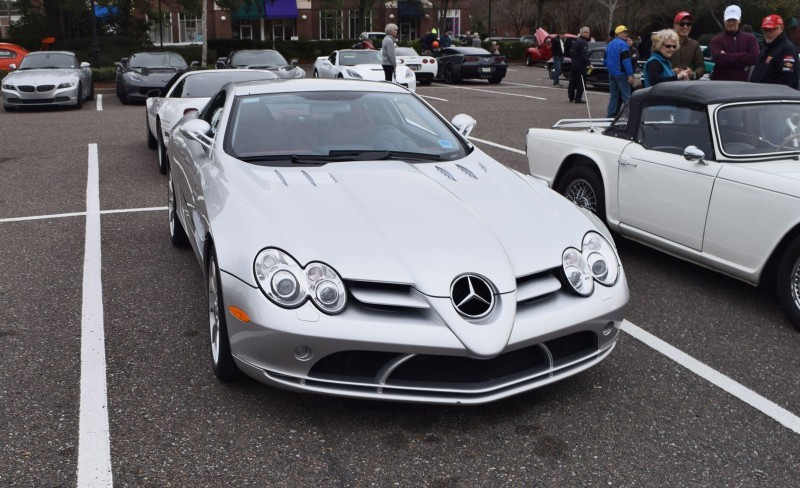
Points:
45	88
32	89
26	88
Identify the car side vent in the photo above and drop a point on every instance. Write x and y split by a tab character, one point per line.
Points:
309	178
383	296
280	176
467	172
537	286
446	173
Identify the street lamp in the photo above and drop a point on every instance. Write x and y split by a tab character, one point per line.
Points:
490	19
94	48
160	25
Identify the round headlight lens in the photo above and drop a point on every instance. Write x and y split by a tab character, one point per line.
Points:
326	288
577	272
602	258
280	278
285	285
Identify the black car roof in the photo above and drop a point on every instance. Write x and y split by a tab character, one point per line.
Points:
469	50
713	92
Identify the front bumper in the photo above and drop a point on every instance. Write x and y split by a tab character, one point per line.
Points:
411	355
28	95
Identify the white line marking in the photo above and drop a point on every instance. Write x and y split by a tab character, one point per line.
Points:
496	92
94	446
490	143
80	214
768	408
99	99
548	87
433	98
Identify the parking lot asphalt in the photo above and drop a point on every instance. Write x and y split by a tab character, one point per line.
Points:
714	404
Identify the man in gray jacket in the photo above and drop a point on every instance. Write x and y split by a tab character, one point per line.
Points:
388	58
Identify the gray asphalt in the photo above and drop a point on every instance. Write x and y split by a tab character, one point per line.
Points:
637	419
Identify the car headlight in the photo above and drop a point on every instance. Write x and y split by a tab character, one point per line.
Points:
299	73
67	84
8	86
409	74
596	261
289	285
353	74
133	76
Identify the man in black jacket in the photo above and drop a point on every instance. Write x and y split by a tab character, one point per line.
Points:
557	45
577	70
778	60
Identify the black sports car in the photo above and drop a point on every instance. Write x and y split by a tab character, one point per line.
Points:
597	73
268	59
146	71
461	63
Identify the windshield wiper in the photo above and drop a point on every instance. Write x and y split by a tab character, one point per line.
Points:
367	155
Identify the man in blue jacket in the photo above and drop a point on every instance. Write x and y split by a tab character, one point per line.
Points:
620	70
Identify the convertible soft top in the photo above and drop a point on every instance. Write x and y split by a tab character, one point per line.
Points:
714	92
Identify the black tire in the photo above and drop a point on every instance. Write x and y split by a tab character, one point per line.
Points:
152	142
177	234
583	186
495	79
425	82
122	94
315	74
220	346
450	75
79	102
91	93
789	282
550	71
163	163
528	60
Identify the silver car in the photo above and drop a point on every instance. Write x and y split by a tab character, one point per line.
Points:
355	243
48	78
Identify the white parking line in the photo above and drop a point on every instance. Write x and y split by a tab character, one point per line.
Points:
496	92
768	408
79	214
490	143
94	445
99	99
433	98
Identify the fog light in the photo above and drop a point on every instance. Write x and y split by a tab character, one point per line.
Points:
608	328
302	353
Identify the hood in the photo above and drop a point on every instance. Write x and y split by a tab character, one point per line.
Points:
156	77
422	224
285	72
540	35
781	176
372	72
42	76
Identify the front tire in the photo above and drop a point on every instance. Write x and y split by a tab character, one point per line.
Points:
528	60
162	150
91	92
177	234
315	74
789	282
221	358
450	76
583	186
152	142
79	101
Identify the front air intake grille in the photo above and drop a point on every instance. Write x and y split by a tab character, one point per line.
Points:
45	88
26	88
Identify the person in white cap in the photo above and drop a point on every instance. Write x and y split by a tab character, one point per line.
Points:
734	51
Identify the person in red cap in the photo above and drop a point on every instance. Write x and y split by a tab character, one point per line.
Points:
734	51
688	59
778	61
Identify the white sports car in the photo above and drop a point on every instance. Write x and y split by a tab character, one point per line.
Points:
187	92
707	172
356	243
424	67
360	64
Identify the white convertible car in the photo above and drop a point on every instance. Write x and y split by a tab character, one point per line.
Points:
355	243
708	172
360	64
185	93
424	67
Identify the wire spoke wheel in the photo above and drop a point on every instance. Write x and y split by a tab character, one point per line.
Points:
581	193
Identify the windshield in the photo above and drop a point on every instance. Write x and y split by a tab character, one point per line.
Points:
157	60
206	84
48	60
258	58
760	128
352	58
336	126
405	51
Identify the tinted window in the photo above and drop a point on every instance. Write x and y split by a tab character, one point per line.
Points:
257	58
48	60
206	84
761	128
352	58
157	60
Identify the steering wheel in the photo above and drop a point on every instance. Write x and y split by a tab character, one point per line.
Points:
390	138
794	136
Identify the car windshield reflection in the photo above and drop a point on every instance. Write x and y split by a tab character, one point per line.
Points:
353	58
47	60
762	128
157	60
338	126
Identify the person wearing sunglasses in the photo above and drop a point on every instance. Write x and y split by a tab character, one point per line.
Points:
778	60
688	57
734	51
658	67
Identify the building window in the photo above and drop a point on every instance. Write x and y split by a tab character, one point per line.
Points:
156	27
453	21
355	26
190	29
246	29
331	24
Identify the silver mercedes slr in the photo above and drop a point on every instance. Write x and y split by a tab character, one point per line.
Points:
355	243
48	78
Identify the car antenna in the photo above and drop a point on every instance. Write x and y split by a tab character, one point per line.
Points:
586	98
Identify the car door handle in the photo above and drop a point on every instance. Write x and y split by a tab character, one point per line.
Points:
626	162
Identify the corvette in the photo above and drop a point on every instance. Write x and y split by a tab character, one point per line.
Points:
184	93
707	172
424	67
360	64
355	243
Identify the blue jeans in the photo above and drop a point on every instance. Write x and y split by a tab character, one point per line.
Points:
557	60
620	89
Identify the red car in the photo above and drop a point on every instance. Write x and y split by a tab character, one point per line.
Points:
544	51
10	54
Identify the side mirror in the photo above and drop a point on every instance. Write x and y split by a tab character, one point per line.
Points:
124	61
195	128
12	66
85	65
119	65
220	63
294	62
464	123
693	153
193	64
154	93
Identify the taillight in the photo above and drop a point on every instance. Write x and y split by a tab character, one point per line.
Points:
499	59
424	61
433	61
402	61
189	110
471	59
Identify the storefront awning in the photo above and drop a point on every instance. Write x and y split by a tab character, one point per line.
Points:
281	9
250	10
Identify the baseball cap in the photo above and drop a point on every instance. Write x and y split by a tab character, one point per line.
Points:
733	12
681	16
620	28
771	21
